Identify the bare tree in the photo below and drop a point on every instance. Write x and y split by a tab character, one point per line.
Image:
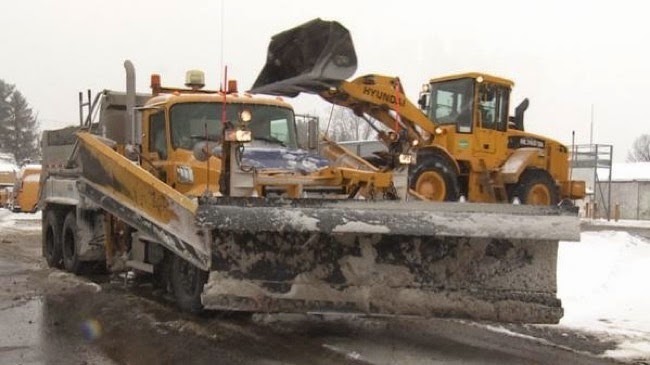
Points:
341	124
640	151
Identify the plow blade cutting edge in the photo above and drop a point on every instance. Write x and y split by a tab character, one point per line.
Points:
309	58
457	260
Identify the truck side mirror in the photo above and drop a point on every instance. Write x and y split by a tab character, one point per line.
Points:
312	138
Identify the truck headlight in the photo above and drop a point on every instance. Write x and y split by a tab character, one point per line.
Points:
184	174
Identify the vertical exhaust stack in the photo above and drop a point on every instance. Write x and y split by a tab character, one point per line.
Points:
309	58
129	122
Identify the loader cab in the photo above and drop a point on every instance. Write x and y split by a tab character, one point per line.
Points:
472	112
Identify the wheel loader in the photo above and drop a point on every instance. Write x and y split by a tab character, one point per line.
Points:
465	141
207	191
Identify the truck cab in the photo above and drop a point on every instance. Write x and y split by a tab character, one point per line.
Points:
178	126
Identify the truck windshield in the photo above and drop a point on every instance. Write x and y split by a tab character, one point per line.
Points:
451	103
269	123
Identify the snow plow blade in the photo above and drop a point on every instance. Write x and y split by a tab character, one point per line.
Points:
309	58
427	259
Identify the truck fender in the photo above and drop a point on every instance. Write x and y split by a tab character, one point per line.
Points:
425	152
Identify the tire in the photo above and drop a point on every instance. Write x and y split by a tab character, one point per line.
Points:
535	187
435	179
187	283
51	237
70	243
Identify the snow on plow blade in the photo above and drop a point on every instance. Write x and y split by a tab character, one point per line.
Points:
308	58
479	261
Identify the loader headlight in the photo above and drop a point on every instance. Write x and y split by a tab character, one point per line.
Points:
406	159
184	174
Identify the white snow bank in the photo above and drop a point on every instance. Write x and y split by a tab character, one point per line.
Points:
603	284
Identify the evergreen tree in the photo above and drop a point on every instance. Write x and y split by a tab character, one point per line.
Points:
6	91
18	125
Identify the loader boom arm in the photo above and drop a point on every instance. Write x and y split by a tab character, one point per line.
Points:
378	96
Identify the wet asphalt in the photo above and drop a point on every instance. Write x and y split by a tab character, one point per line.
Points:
51	317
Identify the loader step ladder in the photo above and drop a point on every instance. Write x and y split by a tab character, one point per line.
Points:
492	182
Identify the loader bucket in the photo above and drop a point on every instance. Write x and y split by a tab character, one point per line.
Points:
309	58
392	258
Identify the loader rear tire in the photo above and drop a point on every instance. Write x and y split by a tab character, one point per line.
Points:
536	187
435	179
70	243
52	239
187	283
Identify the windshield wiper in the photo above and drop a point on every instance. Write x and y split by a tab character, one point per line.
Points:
270	139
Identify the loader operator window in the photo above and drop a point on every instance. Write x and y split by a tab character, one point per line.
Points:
270	124
452	103
493	107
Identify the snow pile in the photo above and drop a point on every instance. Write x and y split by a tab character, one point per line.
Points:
603	284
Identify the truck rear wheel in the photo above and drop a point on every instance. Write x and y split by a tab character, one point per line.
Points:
187	283
69	242
52	239
536	187
435	179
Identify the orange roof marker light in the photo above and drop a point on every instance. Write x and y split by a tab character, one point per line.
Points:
155	84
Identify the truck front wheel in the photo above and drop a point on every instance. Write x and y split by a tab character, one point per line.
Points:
69	242
187	283
52	239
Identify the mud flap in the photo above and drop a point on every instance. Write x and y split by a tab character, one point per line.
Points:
450	260
309	58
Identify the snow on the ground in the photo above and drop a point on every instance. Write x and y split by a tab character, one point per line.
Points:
19	221
603	282
621	223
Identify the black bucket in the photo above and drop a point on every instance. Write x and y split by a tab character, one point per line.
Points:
309	58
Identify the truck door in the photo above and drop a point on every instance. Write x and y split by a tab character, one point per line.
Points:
492	113
157	146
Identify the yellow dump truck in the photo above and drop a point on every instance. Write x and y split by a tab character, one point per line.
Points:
26	189
208	191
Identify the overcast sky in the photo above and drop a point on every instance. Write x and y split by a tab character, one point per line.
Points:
564	55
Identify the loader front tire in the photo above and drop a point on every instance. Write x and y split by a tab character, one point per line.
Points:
187	283
70	243
536	187
52	239
435	179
